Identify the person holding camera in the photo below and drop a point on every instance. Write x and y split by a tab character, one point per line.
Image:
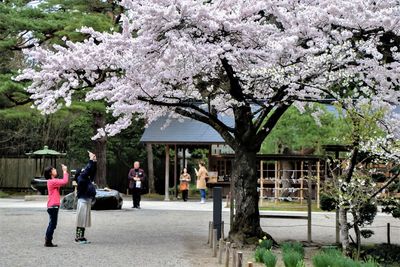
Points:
86	193
184	184
53	202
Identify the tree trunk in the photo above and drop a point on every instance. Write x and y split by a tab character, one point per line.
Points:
150	166
287	170
357	231
344	231
100	147
245	228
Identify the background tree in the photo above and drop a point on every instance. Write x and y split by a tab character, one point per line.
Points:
371	140
24	25
248	59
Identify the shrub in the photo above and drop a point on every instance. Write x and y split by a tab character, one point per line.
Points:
293	246
333	258
259	254
326	258
269	259
370	263
383	253
265	243
291	258
327	202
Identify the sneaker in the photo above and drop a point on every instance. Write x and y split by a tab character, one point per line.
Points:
82	241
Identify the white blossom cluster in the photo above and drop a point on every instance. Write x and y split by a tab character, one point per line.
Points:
354	194
172	52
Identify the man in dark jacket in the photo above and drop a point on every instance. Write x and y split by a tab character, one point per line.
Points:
136	178
86	192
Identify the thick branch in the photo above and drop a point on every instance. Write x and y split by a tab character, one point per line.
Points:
18	103
384	186
353	162
235	89
199	115
270	124
230	140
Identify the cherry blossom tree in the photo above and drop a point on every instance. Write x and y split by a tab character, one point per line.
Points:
373	137
250	59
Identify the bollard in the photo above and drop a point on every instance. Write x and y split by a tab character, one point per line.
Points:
249	264
221	250
388	233
239	259
234	257
217	210
214	242
227	250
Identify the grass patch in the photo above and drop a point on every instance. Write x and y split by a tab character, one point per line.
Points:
288	206
153	196
259	254
3	194
335	258
293	246
292	258
269	259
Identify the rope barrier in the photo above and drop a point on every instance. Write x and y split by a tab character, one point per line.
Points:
320	225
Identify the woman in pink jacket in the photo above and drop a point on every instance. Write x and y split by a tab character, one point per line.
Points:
53	202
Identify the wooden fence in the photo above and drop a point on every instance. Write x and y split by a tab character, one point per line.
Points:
17	173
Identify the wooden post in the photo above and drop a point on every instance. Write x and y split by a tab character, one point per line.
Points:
227	250
221	250
232	206
309	202
176	172
210	224
166	173
222	230
249	264
211	234
239	259
388	233
276	182
214	243
301	182
318	181
261	183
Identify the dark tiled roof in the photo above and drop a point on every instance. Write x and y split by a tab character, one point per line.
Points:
187	131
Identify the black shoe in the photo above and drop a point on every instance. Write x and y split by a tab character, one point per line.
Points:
138	207
50	244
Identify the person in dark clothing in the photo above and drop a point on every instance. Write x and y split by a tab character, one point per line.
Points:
136	178
86	193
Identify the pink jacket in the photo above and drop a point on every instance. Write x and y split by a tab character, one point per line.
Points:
53	187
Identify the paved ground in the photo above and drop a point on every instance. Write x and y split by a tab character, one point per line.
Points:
161	234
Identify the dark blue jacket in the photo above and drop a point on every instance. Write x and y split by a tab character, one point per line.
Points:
85	179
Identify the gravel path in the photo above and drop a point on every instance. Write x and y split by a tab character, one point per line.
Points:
161	234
